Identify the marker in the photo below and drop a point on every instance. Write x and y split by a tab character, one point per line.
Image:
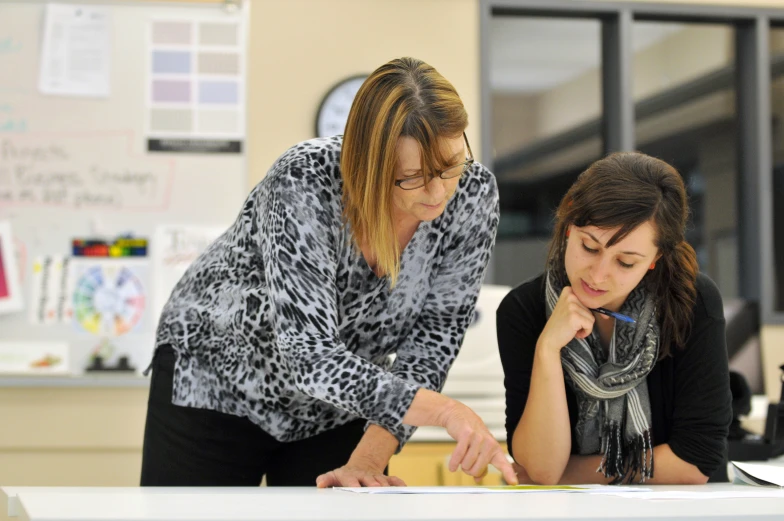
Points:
615	315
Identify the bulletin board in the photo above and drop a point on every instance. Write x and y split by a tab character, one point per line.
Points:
143	137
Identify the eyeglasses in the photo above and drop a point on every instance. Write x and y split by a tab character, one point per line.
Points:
412	183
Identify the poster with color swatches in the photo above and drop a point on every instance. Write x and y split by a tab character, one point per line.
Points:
196	87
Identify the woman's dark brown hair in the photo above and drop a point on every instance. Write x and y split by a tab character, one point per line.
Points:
625	190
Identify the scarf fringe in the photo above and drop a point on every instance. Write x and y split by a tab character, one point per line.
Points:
614	415
626	469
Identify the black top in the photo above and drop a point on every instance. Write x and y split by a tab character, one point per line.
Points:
691	404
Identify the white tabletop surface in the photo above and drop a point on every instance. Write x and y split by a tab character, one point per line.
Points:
306	504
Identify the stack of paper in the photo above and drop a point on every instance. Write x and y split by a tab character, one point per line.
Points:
764	474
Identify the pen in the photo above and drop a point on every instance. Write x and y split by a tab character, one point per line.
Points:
614	314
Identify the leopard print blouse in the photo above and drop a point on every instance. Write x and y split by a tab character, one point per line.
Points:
282	321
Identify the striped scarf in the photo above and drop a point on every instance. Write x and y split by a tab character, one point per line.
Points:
614	416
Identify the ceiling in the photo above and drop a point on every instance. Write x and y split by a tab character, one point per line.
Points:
529	55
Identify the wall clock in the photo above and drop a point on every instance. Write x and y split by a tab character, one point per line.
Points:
333	111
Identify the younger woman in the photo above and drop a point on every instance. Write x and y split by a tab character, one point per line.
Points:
596	399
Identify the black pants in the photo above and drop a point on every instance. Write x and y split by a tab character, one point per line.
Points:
184	446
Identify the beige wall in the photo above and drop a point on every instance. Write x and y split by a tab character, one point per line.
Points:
300	48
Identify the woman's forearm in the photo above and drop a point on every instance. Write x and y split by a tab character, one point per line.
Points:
669	469
429	408
542	440
582	470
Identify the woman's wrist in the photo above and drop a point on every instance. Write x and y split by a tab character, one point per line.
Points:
547	349
374	450
447	411
430	408
367	462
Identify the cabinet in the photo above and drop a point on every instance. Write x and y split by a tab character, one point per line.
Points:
72	436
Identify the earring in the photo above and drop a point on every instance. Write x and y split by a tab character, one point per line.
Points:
568	231
653	265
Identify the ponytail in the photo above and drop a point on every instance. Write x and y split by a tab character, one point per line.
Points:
673	281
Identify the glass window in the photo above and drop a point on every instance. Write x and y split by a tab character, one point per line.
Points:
546	108
685	114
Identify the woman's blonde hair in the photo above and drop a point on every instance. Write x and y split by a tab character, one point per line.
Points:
404	97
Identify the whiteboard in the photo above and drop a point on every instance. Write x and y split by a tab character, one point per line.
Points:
75	167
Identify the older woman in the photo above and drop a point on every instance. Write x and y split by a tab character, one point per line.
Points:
273	351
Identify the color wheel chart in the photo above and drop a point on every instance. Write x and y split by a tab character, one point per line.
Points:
108	300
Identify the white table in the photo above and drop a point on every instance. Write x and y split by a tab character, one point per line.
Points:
307	504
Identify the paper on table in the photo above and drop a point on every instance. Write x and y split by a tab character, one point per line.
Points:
760	473
742	492
511	489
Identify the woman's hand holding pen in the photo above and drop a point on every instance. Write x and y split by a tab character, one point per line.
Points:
570	319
